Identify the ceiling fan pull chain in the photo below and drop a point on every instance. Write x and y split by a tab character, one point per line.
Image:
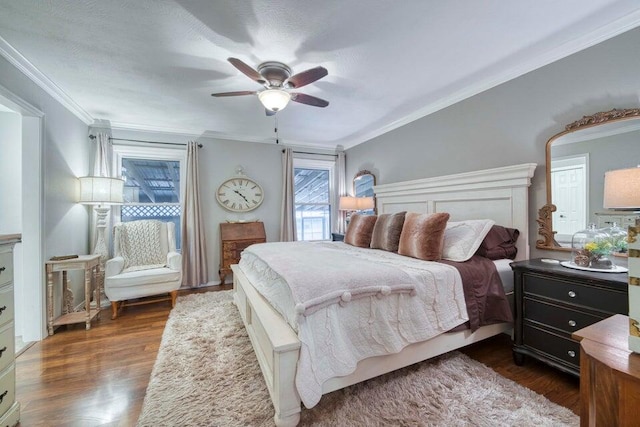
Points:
275	119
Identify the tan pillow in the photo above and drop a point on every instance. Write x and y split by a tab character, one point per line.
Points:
360	230
386	232
423	235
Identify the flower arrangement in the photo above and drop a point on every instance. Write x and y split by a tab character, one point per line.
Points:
599	248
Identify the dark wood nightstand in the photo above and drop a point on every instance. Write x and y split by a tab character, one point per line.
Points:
552	302
337	237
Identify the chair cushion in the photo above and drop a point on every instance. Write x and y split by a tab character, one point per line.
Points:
144	277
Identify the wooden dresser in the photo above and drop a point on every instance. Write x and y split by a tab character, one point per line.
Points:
234	238
9	408
609	374
552	302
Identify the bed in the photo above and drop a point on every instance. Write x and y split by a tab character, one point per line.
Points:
499	194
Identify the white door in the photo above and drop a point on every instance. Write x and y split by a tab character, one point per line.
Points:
568	186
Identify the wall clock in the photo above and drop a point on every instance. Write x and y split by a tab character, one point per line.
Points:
240	194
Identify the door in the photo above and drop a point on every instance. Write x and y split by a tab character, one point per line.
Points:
569	188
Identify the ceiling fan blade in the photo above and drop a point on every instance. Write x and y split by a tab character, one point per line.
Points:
306	77
269	112
237	93
247	70
309	100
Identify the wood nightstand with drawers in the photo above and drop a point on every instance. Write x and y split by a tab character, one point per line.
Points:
552	302
234	238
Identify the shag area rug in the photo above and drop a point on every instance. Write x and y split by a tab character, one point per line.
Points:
206	374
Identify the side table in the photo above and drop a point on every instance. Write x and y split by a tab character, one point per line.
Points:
91	266
609	374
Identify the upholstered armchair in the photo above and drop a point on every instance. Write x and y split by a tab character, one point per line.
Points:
145	263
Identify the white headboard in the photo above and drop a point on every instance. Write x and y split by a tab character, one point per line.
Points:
500	194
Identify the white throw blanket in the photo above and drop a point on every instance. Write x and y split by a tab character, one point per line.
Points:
323	280
335	337
140	245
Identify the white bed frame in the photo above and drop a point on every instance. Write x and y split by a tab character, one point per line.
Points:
500	194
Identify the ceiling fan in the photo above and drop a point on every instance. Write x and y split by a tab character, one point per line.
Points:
277	79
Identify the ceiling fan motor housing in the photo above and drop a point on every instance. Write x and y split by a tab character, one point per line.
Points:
274	72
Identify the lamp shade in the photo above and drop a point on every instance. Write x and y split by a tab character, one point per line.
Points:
364	203
622	189
274	99
348	203
100	190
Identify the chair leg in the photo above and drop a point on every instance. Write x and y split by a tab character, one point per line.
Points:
114	309
174	295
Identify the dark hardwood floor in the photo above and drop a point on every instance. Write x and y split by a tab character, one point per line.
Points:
99	377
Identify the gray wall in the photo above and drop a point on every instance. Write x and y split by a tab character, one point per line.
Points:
66	156
10	172
510	123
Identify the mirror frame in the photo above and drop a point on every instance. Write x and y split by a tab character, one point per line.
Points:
353	183
545	214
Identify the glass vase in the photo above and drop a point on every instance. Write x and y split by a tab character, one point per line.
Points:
592	248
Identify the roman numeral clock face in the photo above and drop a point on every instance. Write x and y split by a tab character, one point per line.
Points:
240	194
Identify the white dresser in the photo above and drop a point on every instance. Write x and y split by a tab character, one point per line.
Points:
9	408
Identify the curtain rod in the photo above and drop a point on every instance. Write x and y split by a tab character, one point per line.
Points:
140	140
315	154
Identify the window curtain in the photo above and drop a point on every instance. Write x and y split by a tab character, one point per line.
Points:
194	248
341	190
288	212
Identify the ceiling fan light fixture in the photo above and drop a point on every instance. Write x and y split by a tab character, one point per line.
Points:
274	99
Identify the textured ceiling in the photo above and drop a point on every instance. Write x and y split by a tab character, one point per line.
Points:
152	64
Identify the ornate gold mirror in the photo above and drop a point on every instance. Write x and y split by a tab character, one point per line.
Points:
363	184
577	160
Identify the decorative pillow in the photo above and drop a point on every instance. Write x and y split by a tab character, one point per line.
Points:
360	230
500	243
386	232
463	238
423	235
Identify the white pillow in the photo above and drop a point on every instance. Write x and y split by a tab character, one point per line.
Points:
463	238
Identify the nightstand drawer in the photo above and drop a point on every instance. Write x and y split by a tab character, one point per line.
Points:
7	346
562	318
7	388
6	267
575	293
565	349
6	304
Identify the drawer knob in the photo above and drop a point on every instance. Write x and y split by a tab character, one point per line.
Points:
572	323
3	308
2	269
572	294
3	395
2	350
571	353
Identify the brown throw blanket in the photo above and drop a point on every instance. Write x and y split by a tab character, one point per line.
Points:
483	292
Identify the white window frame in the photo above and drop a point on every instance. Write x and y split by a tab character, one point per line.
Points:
330	165
148	153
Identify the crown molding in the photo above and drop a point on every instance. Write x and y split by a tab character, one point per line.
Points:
601	34
148	129
30	71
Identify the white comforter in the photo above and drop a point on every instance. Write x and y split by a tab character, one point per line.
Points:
335	337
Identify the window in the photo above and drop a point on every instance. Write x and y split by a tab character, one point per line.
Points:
313	198
152	188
